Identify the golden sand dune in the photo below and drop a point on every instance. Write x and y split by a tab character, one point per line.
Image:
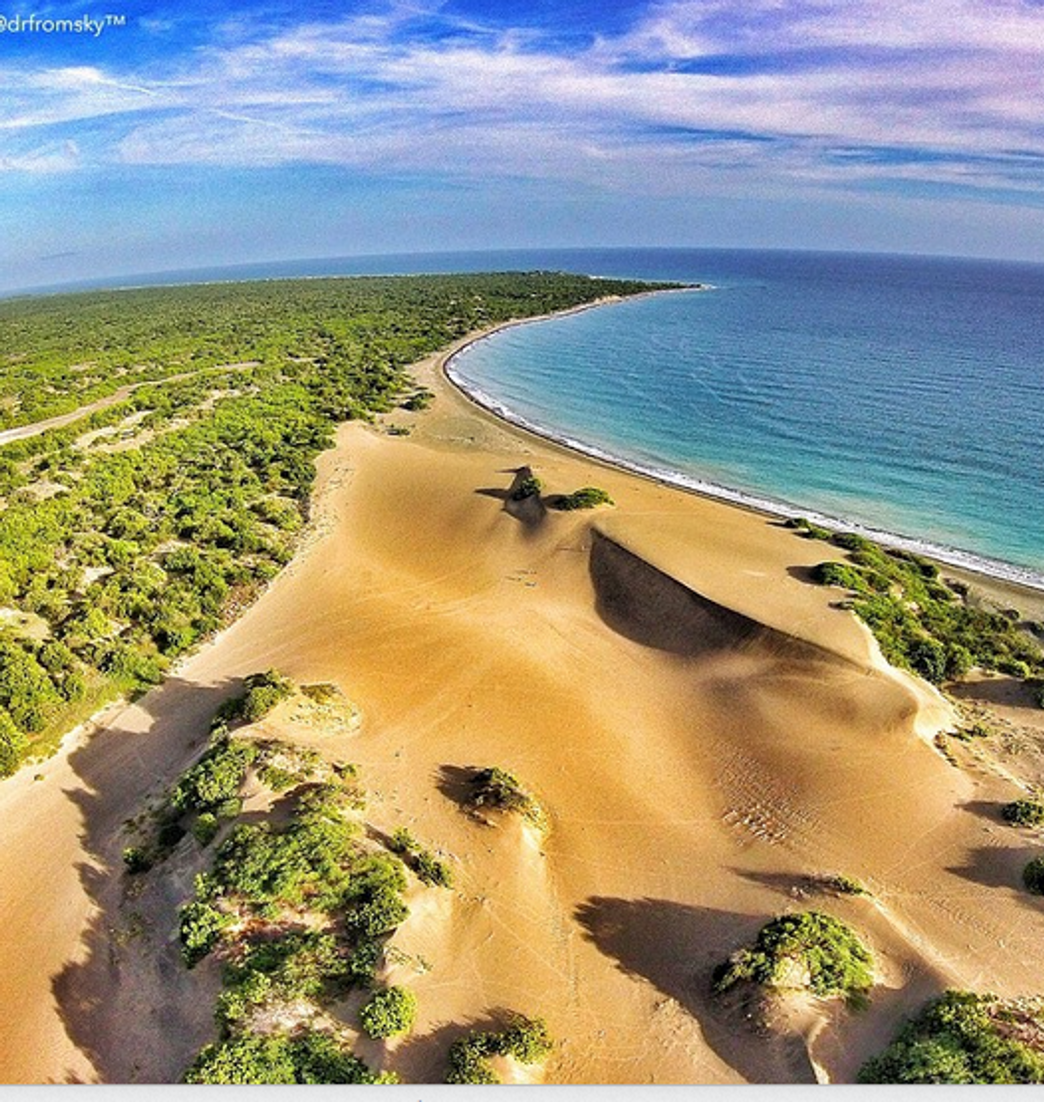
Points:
706	732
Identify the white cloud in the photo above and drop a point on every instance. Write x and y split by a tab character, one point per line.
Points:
957	78
56	157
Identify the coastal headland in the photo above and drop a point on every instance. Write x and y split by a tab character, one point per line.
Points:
711	738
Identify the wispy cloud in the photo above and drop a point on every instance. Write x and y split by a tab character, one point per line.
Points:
719	94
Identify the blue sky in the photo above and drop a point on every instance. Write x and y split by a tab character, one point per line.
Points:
197	134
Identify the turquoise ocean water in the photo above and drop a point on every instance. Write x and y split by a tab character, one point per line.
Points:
903	397
899	395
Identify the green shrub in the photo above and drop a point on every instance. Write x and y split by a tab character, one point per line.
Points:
13	744
322	692
850	541
205	828
137	859
526	1040
428	867
319	1057
807	529
389	1012
468	1060
840	575
924	624
254	1059
378	913
422	399
305	964
200	926
246	1059
1033	876
431	870
215	778
529	486
1027	813
497	788
264	692
587	497
836	961
365	959
403	842
963	1038
169	834
844	885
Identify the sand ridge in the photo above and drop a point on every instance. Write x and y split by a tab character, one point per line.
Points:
704	729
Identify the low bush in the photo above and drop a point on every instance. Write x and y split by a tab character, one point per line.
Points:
253	1059
526	1040
587	497
215	778
922	623
964	1038
200	926
812	950
497	788
428	868
420	400
137	859
1033	876
205	828
844	885
527	487
468	1060
1026	813
299	965
263	691
432	870
389	1012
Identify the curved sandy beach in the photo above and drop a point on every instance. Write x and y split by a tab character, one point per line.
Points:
704	728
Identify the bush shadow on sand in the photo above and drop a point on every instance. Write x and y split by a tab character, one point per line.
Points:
127	985
676	948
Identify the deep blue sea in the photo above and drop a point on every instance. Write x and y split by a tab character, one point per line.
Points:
899	395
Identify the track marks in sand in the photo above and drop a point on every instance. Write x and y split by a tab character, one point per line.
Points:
761	805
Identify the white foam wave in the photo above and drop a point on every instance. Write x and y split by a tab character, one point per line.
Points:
952	556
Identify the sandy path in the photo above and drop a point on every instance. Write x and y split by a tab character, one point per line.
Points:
698	756
37	428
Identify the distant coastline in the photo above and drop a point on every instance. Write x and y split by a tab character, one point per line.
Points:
995	569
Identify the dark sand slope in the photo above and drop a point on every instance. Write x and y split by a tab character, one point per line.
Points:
704	729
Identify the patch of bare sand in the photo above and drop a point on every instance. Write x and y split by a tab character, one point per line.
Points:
704	729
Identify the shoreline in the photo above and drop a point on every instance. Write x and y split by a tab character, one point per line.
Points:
463	638
989	570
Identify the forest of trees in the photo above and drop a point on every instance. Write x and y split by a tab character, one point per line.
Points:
133	532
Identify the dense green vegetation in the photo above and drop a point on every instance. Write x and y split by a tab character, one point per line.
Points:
500	790
389	1012
311	1056
921	623
263	692
207	794
966	1038
526	1040
1033	876
428	868
530	486
587	497
1026	813
299	909
143	527
810	950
